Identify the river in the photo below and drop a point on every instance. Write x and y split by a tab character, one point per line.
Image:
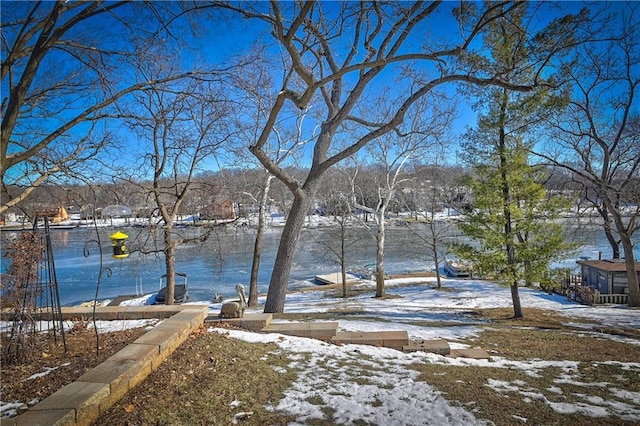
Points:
225	259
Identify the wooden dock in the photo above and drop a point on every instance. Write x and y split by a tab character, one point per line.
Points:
335	278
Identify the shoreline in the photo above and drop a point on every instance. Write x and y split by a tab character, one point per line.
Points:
118	300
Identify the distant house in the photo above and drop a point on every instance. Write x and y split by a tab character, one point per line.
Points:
218	209
608	277
56	214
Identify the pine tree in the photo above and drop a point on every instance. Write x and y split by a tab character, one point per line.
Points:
511	223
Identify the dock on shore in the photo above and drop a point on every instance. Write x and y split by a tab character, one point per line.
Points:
335	278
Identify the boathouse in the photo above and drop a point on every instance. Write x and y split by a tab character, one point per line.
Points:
608	277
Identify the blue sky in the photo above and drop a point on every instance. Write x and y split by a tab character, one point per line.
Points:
221	39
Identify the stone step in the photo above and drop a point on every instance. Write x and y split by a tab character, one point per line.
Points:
109	313
253	322
389	339
474	353
440	347
324	330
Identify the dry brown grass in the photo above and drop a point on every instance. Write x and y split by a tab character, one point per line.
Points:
198	384
80	357
202	396
541	335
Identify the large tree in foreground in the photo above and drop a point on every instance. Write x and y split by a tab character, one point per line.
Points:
340	53
514	236
284	144
511	222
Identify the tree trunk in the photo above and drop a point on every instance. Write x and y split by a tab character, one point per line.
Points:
343	258
615	246
436	259
625	232
380	254
286	250
515	297
255	264
170	264
257	248
632	273
508	226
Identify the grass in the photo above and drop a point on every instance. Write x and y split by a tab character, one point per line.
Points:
506	396
207	381
211	378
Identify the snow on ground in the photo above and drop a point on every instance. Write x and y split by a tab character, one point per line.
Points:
390	392
113	326
103	326
424	303
379	387
376	387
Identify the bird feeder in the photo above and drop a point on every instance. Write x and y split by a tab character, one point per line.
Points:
118	241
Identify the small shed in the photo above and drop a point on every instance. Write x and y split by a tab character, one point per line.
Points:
608	276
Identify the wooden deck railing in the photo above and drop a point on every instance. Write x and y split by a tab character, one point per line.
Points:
572	284
620	299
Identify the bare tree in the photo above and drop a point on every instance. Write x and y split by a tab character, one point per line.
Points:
283	147
436	196
64	68
183	126
337	200
597	138
431	116
340	53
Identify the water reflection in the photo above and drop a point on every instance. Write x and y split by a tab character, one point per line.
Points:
225	258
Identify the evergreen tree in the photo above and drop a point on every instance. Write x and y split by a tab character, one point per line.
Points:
521	223
511	220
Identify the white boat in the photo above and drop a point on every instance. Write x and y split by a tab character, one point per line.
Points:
457	268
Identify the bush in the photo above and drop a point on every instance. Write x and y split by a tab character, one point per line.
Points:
584	295
557	280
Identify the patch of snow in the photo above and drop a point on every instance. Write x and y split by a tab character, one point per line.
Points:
113	326
10	409
359	383
45	372
378	387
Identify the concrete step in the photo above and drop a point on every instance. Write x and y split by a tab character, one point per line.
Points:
389	339
440	347
324	330
253	322
475	353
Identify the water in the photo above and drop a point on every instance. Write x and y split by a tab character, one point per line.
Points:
213	267
225	259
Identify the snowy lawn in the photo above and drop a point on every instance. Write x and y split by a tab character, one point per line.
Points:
563	364
356	384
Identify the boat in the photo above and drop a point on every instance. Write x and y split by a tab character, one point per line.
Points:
456	268
63	226
180	291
